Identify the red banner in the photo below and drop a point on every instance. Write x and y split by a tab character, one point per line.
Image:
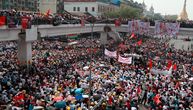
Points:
2	20
24	23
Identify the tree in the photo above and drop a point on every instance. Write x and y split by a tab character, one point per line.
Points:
171	17
127	12
156	16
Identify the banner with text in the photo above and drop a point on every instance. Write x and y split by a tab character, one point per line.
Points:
111	54
172	28
127	60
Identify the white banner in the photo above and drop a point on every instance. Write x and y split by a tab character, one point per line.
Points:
162	72
111	54
144	27
172	28
133	26
125	60
160	28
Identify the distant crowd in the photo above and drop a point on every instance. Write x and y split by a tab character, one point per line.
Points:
14	18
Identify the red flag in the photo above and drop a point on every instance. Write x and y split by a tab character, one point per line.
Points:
156	99
48	12
174	67
138	90
169	64
19	96
24	23
169	54
150	64
132	36
177	85
117	23
139	42
2	20
110	101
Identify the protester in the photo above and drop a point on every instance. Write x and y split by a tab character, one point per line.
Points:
14	19
60	76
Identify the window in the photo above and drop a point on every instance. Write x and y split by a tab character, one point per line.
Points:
86	9
93	9
78	8
74	8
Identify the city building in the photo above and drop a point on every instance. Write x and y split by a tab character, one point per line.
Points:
21	5
90	6
55	6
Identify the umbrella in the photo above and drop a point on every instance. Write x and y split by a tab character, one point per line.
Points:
85	96
85	68
79	97
60	104
191	79
59	98
78	91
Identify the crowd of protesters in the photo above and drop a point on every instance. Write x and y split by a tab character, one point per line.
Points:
14	18
59	76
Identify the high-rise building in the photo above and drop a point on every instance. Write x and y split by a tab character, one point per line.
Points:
21	5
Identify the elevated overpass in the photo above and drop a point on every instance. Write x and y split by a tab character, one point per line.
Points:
30	35
7	34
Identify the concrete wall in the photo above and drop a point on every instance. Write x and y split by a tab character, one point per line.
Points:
181	44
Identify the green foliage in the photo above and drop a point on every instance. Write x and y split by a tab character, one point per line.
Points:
171	17
128	12
156	16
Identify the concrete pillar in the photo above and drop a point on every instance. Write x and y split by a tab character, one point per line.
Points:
24	51
25	45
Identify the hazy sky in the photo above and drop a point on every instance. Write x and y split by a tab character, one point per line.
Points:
169	6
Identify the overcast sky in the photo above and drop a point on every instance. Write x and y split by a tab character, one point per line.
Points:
169	6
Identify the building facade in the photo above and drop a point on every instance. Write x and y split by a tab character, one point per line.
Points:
104	7
21	5
90	6
45	5
55	6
